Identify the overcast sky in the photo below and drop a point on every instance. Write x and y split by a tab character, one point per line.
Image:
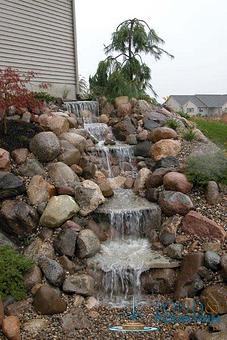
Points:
195	32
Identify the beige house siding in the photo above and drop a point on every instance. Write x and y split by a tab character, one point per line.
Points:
39	35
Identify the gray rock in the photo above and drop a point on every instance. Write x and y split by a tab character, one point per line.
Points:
39	248
168	230
52	271
81	284
75	320
167	162
131	139
10	185
123	128
88	244
70	157
212	260
173	202
48	301
62	175
31	168
143	149
33	277
45	146
4	240
212	193
175	251
65	243
153	120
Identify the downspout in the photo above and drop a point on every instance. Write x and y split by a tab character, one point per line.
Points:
75	47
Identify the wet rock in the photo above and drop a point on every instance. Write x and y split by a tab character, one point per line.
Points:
188	281
175	251
48	301
106	189
75	139
20	155
152	194
176	181
18	218
212	193
10	185
39	190
167	162
76	319
158	281
88	243
70	157
173	202
89	196
32	277
11	328
162	133
39	248
65	243
224	267
34	326
98	229
68	265
52	270
212	260
124	128
142	177
155	179
165	148
62	175
81	284
129	182
45	146
197	224
31	168
215	299
143	149
4	160
58	210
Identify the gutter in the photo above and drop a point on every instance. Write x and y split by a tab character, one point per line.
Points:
75	47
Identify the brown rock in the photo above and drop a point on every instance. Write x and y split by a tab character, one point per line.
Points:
224	266
162	133
11	328
215	299
48	301
143	175
39	190
156	178
20	155
174	202
176	181
68	265
181	335
70	157
103	118
33	277
1	313
106	188
165	148
4	160
212	193
97	229
129	182
77	169
75	319
197	224
58	125
158	281
18	309
37	248
168	231
62	175
189	275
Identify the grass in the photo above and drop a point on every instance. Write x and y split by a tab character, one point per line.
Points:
214	130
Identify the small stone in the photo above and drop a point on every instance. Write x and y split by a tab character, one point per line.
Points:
70	157
62	175
212	260
168	230
91	302
67	264
48	301
32	277
65	243
215	299
158	281
18	308
213	246
181	335
11	328
175	251
39	190
76	319
52	270
143	175
212	193
34	326
106	189
80	284
4	160
39	248
78	301
58	125
20	155
31	168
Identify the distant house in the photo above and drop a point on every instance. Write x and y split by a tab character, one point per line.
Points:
199	104
40	35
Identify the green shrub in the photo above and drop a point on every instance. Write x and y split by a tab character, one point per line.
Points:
44	96
13	266
184	114
189	135
202	168
172	123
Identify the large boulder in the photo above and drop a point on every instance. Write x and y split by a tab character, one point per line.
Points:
58	210
45	146
215	299
176	181
81	284
62	175
18	218
162	133
75	139
70	157
89	196
39	190
196	224
52	270
124	128
10	185
58	125
153	119
39	248
173	202
31	168
48	301
88	244
65	243
143	149
165	148
11	327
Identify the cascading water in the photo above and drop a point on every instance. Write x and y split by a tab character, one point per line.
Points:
77	107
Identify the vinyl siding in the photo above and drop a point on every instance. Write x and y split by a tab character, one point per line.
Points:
38	35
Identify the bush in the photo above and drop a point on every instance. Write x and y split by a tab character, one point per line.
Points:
189	135
202	168
13	266
184	114
44	96
172	123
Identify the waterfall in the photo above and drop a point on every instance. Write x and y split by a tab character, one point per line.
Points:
77	107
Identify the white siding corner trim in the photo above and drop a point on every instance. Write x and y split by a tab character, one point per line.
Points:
40	35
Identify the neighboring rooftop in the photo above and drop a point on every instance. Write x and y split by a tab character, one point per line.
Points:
202	100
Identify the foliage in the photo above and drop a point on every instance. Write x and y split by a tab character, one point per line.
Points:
13	266
44	97
84	88
214	130
189	135
184	114
205	167
172	123
124	72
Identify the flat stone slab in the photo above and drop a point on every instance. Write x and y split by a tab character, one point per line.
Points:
130	254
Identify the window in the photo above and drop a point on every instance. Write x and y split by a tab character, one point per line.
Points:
190	109
200	110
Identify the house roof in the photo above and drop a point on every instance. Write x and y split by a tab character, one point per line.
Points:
202	100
